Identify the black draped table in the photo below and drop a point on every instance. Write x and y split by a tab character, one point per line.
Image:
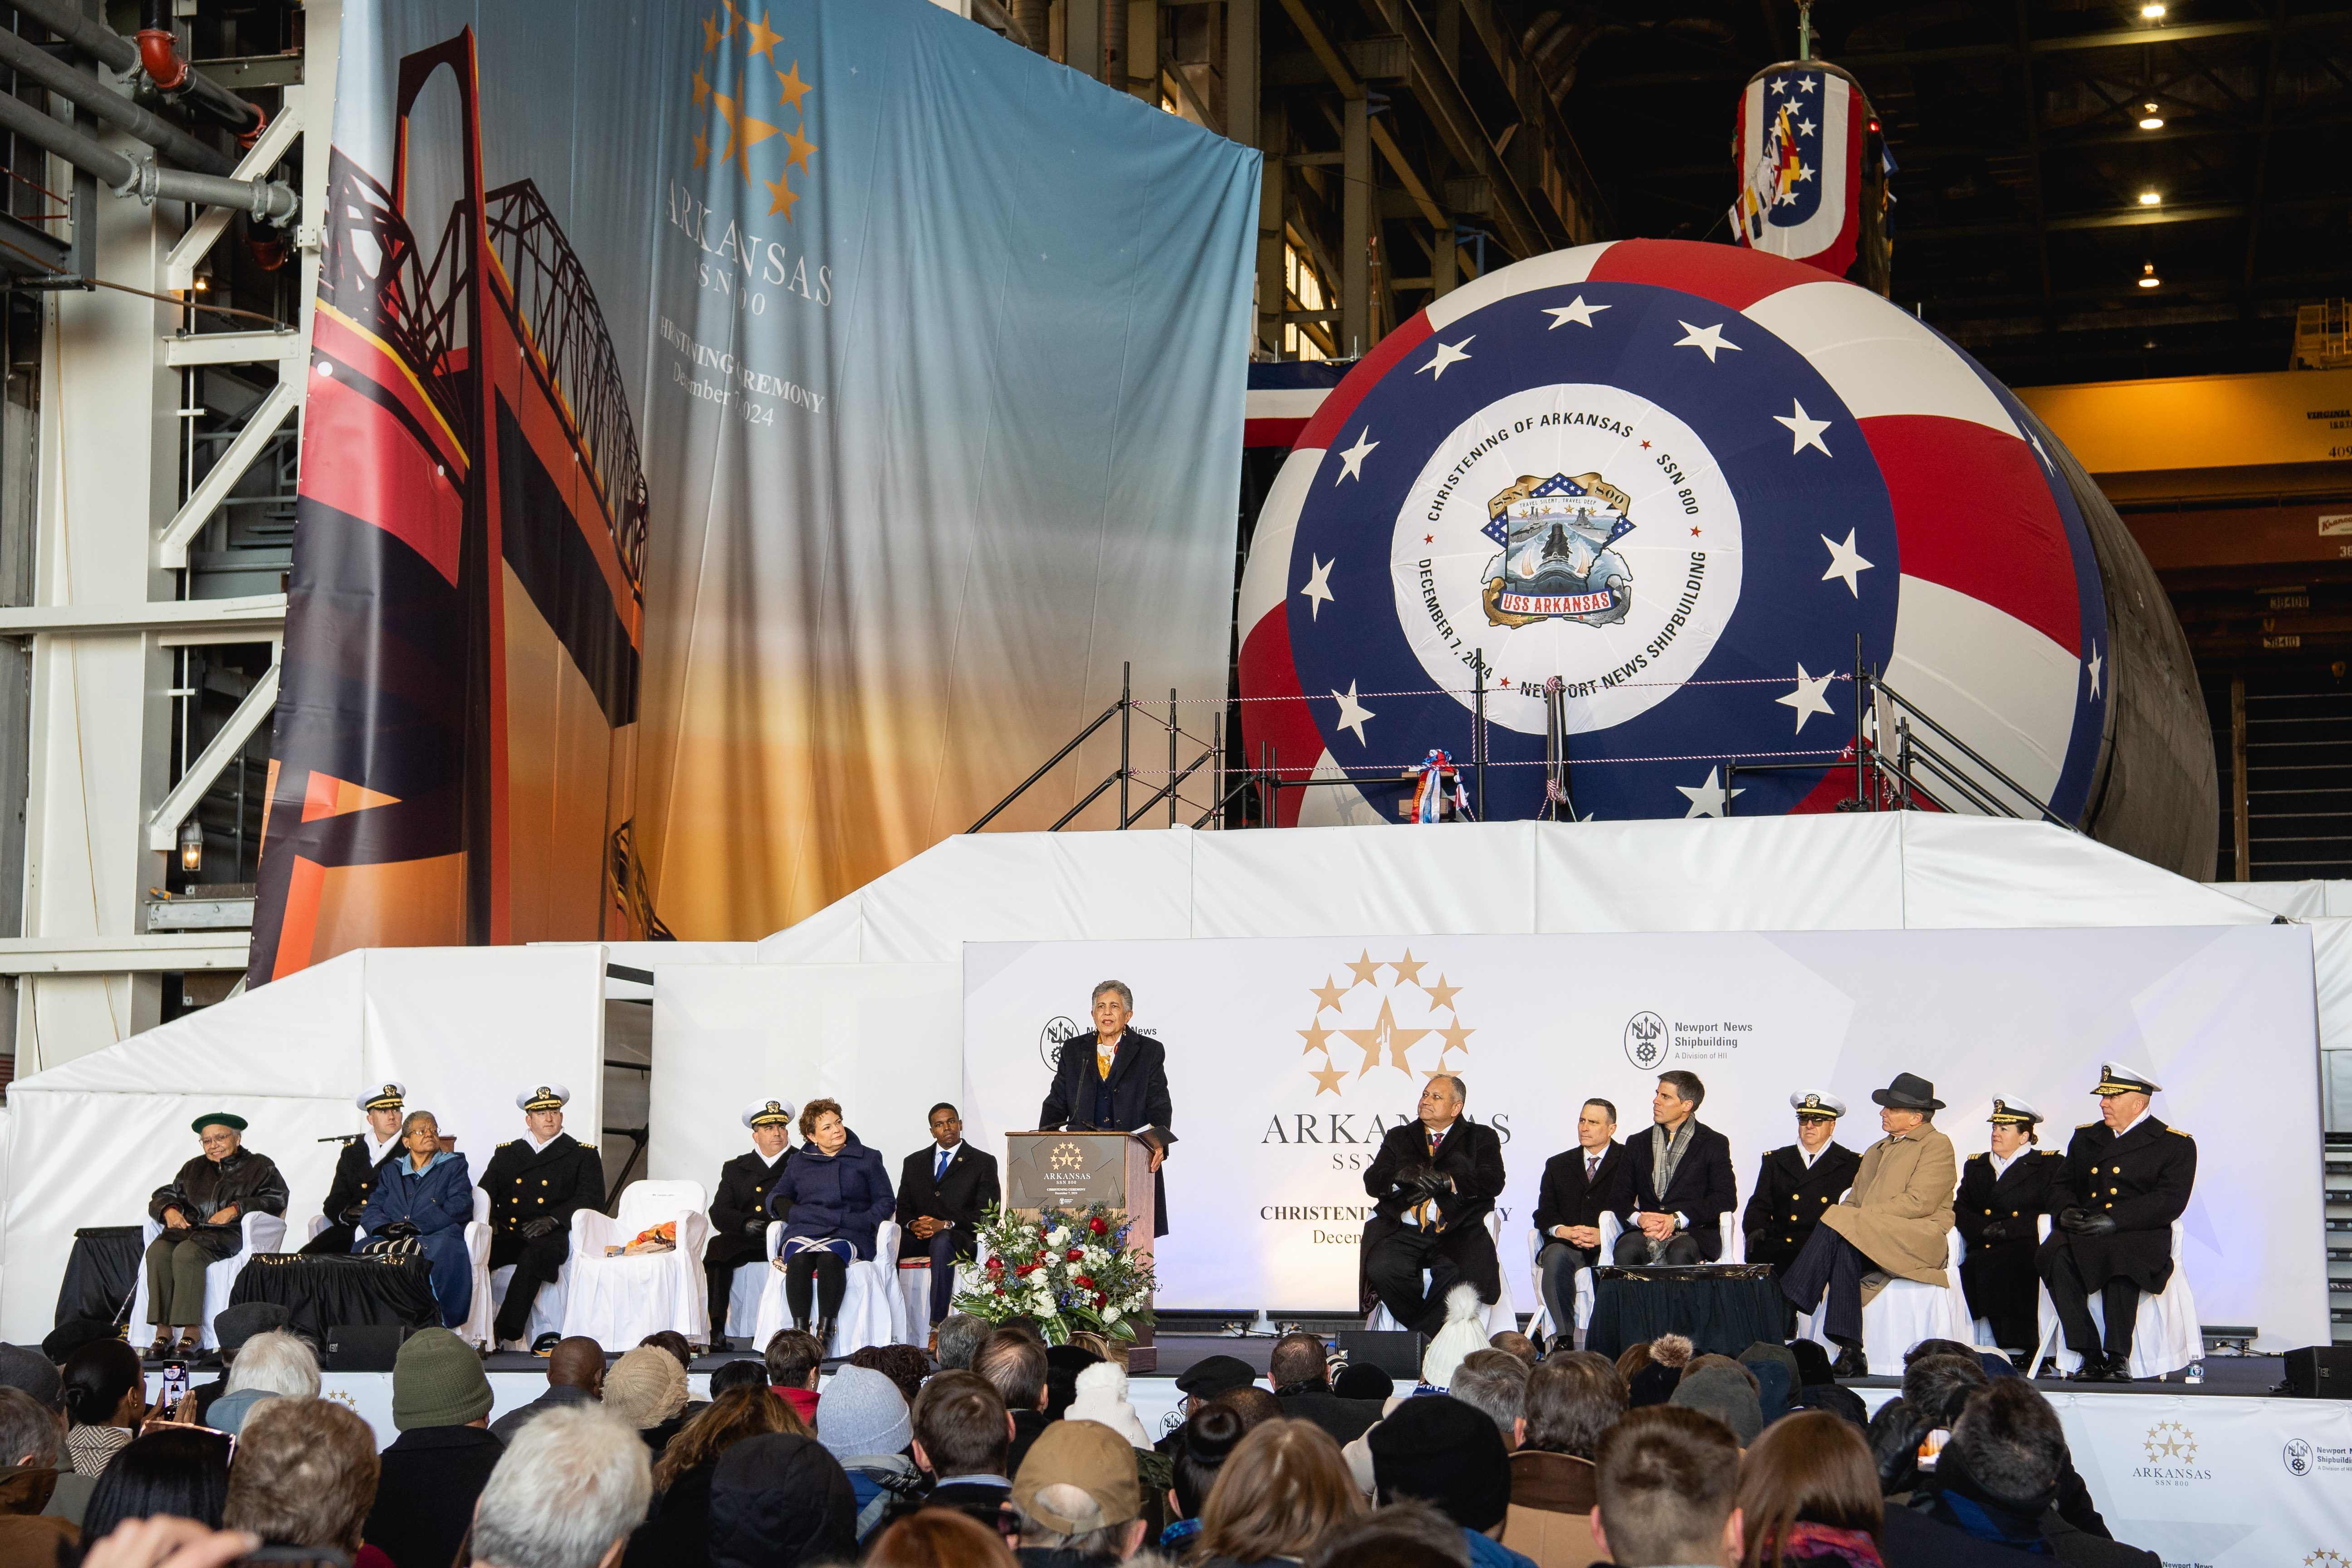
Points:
321	1293
1719	1308
102	1274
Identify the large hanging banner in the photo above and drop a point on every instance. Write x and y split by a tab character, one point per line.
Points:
740	441
1288	1059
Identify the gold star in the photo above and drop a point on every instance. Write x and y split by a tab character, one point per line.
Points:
748	132
1317	1038
701	91
1408	968
1457	1038
764	39
1384	1034
1367	972
713	35
801	147
781	197
1327	996
1327	1080
790	87
701	148
1440	994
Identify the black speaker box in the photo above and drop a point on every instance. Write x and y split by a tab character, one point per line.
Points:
2320	1372
1396	1353
363	1347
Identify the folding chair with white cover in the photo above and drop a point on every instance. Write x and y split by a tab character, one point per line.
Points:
744	1287
1901	1314
873	1313
478	1316
262	1233
619	1300
1500	1313
2166	1335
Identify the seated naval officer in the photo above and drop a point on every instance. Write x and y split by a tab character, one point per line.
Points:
2127	1178
2002	1195
1796	1183
534	1184
1435	1179
739	1214
359	1167
425	1200
201	1210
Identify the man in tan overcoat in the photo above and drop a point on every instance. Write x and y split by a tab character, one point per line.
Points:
1895	1225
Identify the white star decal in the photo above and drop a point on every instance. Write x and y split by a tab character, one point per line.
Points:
1447	354
1708	800
1575	311
1845	562
1351	461
1318	592
1790	200
1707	340
2096	661
1805	126
1804	84
1807	699
1806	432
2035	442
1353	713
1804	172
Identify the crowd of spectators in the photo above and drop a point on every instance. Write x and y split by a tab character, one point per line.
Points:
1006	1453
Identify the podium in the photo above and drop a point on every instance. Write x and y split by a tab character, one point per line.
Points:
1071	1170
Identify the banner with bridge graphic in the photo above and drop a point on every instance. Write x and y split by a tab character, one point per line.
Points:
741	441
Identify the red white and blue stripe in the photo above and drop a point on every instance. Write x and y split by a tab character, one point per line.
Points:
1776	463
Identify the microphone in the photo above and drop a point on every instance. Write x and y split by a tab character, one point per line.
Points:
345	1138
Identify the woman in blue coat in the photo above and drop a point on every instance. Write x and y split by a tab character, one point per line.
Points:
426	1195
831	1196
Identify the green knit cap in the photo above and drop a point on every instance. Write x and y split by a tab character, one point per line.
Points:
436	1381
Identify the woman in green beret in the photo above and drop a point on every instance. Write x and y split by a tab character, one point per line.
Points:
201	1211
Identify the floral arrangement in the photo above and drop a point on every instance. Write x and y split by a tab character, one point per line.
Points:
1064	1271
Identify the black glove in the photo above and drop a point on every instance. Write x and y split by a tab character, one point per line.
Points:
2096	1225
1994	1230
1433	1185
352	1214
2070	1219
398	1230
756	1229
1755	1242
532	1229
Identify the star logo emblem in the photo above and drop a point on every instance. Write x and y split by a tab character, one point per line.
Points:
1386	1036
1066	1157
741	118
2170	1440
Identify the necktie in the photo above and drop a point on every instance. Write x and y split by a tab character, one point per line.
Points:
940	1166
1435	1140
1591	1167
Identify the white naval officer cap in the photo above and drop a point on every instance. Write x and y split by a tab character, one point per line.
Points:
545	1097
2014	1111
389	1096
2116	1079
1815	1104
767	1112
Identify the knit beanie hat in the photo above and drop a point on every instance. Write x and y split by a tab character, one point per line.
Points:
1723	1393
34	1372
645	1387
862	1413
1102	1397
436	1381
1446	1453
1363	1380
1462	1334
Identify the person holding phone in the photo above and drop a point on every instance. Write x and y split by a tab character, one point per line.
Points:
425	1199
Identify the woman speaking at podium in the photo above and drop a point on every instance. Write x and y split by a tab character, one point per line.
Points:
1114	1082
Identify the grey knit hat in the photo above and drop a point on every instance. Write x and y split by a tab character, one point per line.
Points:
436	1381
862	1412
1723	1393
645	1387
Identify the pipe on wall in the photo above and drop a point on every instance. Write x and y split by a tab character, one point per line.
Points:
48	71
271	200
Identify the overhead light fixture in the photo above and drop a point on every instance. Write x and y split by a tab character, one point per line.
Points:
2152	120
192	846
2153	12
2147	278
2150	198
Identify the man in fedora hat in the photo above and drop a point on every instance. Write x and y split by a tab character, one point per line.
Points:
739	1214
1894	1223
2128	1177
358	1169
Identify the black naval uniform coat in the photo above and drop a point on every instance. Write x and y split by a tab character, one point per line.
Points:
1999	1276
744	1183
523	1186
1790	1200
2142	1181
355	1177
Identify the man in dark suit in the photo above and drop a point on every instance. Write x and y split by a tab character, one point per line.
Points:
1580	1186
739	1214
1797	1183
534	1184
1114	1081
944	1195
2128	1177
1679	1177
1300	1371
1435	1181
358	1168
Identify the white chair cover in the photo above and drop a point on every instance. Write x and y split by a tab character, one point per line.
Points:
1501	1313
1904	1313
743	1290
1580	1283
873	1313
262	1233
2165	1334
915	1298
482	1315
617	1301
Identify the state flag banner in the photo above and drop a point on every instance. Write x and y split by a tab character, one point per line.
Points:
1798	147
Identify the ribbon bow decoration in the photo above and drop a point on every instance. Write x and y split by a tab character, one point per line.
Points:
1429	791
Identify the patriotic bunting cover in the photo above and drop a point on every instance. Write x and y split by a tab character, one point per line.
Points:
1797	148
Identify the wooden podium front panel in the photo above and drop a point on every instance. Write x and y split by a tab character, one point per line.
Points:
1070	1170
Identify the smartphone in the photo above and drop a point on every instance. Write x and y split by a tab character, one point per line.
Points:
175	1383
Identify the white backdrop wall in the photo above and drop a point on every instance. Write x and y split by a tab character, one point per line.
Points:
1287	1058
464	1028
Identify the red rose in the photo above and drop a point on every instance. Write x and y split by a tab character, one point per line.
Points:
1083	1283
996	1266
1101	1300
1097	1227
1072	1256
